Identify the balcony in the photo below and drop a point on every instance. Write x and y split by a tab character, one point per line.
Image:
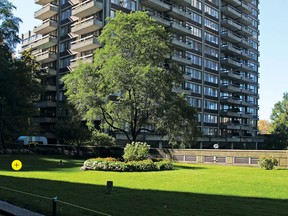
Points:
231	37
181	45
46	12
230	62
231	24
49	71
178	13
181	60
84	44
246	32
231	126
74	62
45	57
87	25
230	113
245	8
231	49
46	27
49	87
176	27
246	67
39	119
245	55
230	88
230	11
46	104
230	100
245	43
45	42
162	21
156	4
42	2
244	19
87	8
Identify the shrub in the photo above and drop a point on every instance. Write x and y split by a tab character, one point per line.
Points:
109	164
136	151
268	163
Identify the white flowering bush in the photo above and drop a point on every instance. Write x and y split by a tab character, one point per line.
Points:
136	151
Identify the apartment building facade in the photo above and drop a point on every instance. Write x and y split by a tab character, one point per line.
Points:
215	44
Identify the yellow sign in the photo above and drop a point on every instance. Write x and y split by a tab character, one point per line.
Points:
16	165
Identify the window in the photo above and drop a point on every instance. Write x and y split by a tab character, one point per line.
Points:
211	51
196	17
212	12
112	13
211	105
209	131
209	118
211	65
64	30
64	62
65	14
211	38
216	2
212	25
194	102
210	91
197	60
193	87
210	78
194	73
194	44
196	31
197	4
65	46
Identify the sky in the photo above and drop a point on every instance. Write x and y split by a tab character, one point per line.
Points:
273	45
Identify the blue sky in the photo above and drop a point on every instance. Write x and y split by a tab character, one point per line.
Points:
273	32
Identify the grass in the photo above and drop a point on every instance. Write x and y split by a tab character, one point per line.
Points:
188	190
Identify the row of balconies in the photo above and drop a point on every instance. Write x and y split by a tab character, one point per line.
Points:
241	5
236	26
45	42
235	63
231	113
236	38
236	101
236	14
229	74
87	8
236	89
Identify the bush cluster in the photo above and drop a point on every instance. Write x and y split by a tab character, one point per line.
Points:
111	164
136	151
268	163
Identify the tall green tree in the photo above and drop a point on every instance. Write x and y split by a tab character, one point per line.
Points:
9	24
130	84
279	121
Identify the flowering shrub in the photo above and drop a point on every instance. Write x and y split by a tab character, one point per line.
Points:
268	163
136	151
130	166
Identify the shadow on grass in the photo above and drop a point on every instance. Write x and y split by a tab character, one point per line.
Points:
39	162
124	201
180	166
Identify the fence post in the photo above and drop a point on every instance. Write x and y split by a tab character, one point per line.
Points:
54	199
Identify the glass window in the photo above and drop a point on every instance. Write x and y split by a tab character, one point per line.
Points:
209	118
210	78
211	38
194	73
211	64
194	102
64	62
66	14
212	12
64	30
211	51
212	25
210	91
197	60
195	88
211	105
197	4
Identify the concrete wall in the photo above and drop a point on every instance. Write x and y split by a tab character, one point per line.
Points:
225	157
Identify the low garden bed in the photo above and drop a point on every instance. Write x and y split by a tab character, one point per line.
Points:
112	164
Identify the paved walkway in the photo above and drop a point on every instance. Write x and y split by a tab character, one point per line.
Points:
11	210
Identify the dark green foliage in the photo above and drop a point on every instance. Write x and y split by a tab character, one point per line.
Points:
110	164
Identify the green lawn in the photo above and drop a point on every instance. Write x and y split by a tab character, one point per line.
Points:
187	190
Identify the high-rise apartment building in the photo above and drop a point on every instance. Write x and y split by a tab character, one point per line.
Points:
216	45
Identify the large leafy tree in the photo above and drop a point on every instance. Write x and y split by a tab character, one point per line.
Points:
19	83
264	126
9	24
279	121
130	84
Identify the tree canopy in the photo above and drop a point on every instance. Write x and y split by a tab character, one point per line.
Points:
279	120
129	86
9	24
19	83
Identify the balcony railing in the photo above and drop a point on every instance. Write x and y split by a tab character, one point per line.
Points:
45	42
156	4
230	11
45	57
90	24
177	12
87	8
42	2
46	27
84	44
75	61
46	12
231	24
